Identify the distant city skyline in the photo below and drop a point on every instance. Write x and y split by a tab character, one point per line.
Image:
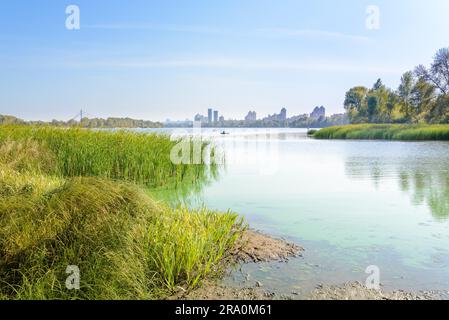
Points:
214	116
161	59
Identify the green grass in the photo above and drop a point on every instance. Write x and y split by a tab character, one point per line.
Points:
60	206
404	132
136	157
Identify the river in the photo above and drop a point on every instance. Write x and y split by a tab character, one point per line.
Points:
350	204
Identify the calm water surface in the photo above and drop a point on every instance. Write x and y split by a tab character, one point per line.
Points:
350	204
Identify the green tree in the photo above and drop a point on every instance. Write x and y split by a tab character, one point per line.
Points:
372	107
378	85
438	74
381	112
405	92
355	104
423	101
439	111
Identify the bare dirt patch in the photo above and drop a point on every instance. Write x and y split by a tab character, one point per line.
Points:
347	291
357	291
215	291
255	247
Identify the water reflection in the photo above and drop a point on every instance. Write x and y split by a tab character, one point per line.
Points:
188	192
430	187
425	179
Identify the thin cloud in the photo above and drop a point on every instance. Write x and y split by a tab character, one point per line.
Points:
238	64
283	32
267	32
155	27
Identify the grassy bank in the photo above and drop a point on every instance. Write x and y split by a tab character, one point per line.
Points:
404	132
138	158
60	205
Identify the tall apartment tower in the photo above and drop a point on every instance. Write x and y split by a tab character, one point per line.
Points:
283	115
252	116
215	116
209	115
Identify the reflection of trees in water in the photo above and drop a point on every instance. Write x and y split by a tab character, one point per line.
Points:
186	189
359	168
427	181
428	185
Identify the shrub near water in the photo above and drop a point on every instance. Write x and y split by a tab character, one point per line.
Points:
385	132
127	245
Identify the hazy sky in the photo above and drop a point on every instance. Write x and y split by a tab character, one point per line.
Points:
158	59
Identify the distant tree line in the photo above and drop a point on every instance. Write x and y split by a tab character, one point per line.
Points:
119	123
321	122
294	122
422	97
10	120
87	123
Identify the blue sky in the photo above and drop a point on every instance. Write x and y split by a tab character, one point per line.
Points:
159	59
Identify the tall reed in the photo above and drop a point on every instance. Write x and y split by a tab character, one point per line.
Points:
404	132
136	157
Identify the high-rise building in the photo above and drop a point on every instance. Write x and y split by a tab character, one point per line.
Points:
252	116
200	118
215	116
209	115
278	117
318	112
283	115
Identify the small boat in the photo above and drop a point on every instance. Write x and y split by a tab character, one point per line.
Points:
224	133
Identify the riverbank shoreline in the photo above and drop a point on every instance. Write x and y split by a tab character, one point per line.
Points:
252	247
257	247
347	291
216	290
395	132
